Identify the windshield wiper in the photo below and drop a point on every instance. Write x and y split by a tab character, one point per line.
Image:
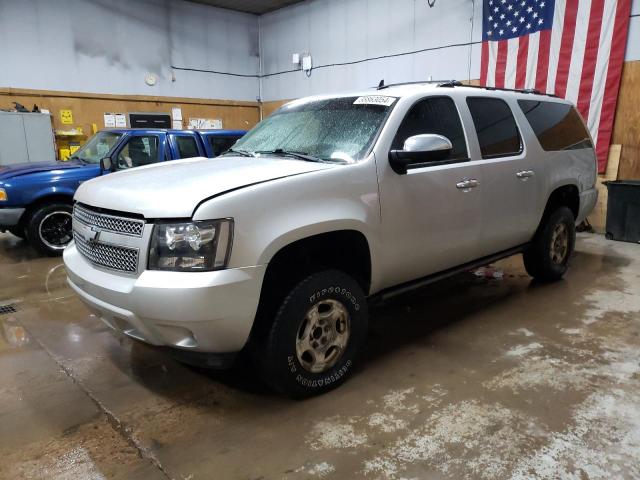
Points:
299	155
242	153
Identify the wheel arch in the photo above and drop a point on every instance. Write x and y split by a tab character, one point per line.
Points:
44	199
563	195
347	250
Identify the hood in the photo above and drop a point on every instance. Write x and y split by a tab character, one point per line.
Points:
19	169
174	189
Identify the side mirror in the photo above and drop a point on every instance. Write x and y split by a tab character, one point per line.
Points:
106	165
423	148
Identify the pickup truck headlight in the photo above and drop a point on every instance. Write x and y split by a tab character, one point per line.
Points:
192	246
3	195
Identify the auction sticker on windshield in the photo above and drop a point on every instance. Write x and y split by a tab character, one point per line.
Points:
375	100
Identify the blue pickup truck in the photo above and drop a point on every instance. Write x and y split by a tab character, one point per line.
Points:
36	198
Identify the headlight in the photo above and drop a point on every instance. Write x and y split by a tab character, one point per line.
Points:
191	246
3	195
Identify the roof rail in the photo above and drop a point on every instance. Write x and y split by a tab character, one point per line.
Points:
382	85
455	83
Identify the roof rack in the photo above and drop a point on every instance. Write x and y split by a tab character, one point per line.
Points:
382	85
455	83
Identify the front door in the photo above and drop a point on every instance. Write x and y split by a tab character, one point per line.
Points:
431	214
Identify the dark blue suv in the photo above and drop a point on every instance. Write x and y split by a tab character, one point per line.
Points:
36	198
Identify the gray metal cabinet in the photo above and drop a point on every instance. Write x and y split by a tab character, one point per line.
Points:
26	137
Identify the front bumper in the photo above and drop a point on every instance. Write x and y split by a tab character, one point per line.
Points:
9	217
202	311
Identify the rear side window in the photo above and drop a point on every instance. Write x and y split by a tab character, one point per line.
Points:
557	125
221	144
434	115
496	128
187	147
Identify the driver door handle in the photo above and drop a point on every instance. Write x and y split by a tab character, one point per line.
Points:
467	183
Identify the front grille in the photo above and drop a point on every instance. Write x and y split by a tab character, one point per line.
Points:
111	223
124	259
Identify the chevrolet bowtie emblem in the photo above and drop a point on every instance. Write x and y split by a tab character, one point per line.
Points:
90	234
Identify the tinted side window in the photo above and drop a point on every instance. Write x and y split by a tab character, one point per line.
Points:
496	128
139	150
221	144
557	125
434	115
187	147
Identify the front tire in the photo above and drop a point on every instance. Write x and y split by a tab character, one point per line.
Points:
49	228
547	259
315	338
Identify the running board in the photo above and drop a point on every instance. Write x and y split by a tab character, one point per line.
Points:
417	284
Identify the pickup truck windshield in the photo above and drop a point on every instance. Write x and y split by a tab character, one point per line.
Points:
336	129
97	147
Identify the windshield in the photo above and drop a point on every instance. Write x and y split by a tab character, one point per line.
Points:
336	129
97	147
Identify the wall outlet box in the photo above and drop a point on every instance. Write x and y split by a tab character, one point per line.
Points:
295	58
306	63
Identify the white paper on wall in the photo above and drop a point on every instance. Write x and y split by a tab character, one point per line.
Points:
121	120
205	123
109	120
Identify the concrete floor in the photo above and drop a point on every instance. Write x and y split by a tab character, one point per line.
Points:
477	377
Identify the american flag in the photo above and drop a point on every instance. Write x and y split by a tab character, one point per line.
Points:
571	48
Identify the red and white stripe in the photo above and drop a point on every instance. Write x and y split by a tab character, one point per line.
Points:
579	59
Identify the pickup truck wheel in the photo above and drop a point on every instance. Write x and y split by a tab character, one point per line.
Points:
547	259
49	228
316	335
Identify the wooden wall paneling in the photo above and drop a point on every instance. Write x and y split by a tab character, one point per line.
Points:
626	129
90	108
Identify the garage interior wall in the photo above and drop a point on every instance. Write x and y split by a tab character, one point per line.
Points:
92	56
356	43
353	43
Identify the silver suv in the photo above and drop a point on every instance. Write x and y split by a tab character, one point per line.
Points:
276	247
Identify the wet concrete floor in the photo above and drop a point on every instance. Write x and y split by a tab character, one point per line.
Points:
484	376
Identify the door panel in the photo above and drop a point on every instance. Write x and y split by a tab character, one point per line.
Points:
511	189
429	223
430	215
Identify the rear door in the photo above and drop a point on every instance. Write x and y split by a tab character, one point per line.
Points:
512	183
185	145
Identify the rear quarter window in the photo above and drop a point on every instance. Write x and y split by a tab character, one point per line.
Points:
557	126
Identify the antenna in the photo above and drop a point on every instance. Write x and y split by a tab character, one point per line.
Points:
381	84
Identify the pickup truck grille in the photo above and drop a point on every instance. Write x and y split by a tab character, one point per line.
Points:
111	223
123	259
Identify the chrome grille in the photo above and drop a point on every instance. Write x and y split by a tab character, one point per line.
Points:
111	223
124	259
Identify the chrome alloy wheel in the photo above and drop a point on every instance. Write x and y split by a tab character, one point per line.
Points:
323	335
559	244
55	230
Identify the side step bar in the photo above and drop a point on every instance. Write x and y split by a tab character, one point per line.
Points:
419	283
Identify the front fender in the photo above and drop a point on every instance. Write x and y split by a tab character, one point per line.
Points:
271	215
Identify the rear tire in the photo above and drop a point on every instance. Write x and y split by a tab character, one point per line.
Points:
316	336
547	258
49	228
